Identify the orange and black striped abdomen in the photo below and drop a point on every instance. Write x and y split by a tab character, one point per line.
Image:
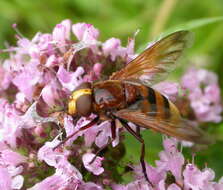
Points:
157	105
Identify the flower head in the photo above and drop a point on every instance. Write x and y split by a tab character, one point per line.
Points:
204	94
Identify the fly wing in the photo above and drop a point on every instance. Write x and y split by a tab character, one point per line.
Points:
181	128
157	61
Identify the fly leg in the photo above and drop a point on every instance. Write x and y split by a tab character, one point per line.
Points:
113	133
90	124
140	139
138	131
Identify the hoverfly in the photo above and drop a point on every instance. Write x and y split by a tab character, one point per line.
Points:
127	96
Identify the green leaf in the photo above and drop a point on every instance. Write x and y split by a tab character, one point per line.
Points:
193	24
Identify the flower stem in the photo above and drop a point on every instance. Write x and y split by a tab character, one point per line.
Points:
164	13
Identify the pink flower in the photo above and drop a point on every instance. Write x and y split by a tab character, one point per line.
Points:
189	80
11	158
90	186
70	128
135	185
5	78
56	182
61	32
97	68
52	61
196	179
113	48
9	125
86	32
170	89
5	182
171	159
70	80
130	49
104	135
100	134
154	174
10	168
27	79
46	44
51	94
29	47
173	186
66	177
204	94
94	167
50	156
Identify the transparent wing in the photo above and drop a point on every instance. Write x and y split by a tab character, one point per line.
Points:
157	61
181	129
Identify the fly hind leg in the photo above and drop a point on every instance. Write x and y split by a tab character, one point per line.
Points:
140	139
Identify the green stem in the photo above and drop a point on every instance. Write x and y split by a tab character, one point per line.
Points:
160	21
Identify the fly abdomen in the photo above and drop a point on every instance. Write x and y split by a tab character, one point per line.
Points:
156	104
166	104
160	107
152	99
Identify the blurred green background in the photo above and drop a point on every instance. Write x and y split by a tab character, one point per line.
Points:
121	18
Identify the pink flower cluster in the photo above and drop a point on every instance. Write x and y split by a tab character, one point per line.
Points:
173	173
204	94
35	82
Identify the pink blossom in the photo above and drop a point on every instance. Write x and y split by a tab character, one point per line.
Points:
100	134
66	177
97	68
29	47
52	61
10	169
70	80
170	89
5	182
9	126
50	156
154	174
86	32
94	167
51	93
90	186
113	48
196	179
61	32
204	94
17	182
104	135
173	186
46	44
27	79
189	80
70	128
5	78
135	185
171	159
56	182
11	158
130	49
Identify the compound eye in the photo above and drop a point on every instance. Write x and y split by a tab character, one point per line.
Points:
84	105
